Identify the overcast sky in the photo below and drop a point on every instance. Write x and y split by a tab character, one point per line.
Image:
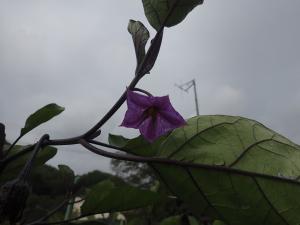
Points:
244	55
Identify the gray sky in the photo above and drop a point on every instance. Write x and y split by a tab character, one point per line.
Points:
244	55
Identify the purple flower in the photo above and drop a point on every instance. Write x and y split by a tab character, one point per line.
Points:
153	116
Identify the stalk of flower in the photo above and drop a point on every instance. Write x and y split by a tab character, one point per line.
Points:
153	116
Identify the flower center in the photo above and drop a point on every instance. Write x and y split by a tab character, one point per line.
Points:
151	111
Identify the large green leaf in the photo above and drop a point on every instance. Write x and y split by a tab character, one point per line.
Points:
15	166
106	197
41	116
232	169
157	10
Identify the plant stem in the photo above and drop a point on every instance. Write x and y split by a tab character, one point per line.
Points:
62	221
12	145
26	170
107	145
167	161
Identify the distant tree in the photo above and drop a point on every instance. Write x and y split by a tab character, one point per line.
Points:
137	174
51	185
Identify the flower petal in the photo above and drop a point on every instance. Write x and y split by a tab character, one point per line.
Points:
162	103
135	100
136	106
167	114
150	129
171	117
133	118
153	128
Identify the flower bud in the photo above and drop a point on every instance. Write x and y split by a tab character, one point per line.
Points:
13	196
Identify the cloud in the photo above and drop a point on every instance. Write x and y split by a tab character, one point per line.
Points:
225	100
244	56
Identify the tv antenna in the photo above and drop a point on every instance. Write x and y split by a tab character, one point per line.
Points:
186	87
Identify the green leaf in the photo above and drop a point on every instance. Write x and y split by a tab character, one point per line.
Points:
136	146
193	221
89	223
15	166
178	220
140	36
174	220
106	197
67	175
136	221
234	142
118	140
41	116
233	169
66	171
218	222
157	10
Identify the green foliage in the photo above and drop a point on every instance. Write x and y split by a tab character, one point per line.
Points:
138	174
179	220
174	220
49	188
67	176
136	146
136	221
218	222
38	205
166	207
48	180
233	142
106	197
41	116
90	179
157	10
13	168
142	175
217	150
90	223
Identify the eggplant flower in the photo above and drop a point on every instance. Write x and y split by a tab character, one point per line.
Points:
153	116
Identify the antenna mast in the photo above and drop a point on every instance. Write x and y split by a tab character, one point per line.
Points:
186	87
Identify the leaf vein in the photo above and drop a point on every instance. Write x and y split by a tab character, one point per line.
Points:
269	202
199	133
